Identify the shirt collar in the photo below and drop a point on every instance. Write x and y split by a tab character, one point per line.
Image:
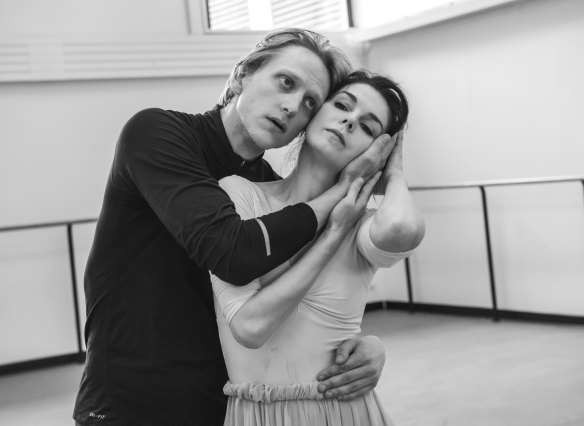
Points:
223	146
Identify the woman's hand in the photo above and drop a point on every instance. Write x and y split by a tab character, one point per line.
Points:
352	206
394	165
370	161
398	225
364	166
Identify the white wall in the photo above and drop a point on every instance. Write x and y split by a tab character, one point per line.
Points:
36	311
57	146
57	143
497	95
371	13
58	139
83	17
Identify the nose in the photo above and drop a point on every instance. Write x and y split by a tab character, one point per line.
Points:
291	104
348	123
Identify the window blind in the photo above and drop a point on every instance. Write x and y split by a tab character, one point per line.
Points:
234	15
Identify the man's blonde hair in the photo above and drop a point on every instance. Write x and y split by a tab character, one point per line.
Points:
335	61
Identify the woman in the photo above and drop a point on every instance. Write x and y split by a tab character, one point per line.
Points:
280	330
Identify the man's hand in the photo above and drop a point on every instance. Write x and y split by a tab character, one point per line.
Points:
358	367
370	161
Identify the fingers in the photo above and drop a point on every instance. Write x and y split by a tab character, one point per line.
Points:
345	349
358	374
397	148
395	161
349	363
346	394
351	390
327	373
396	144
388	147
355	188
345	362
360	191
400	137
380	150
349	382
377	154
382	146
370	161
367	189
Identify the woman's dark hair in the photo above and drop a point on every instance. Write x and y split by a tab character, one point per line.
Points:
391	92
389	89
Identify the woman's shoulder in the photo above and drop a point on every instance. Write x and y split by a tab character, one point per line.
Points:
248	198
237	183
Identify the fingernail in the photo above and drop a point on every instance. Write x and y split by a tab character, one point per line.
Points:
320	378
329	394
321	388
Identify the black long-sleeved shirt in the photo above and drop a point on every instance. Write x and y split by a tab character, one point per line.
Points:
153	352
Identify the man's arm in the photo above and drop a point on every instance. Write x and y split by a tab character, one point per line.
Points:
160	161
156	157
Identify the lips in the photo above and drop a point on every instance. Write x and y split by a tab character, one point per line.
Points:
279	123
339	135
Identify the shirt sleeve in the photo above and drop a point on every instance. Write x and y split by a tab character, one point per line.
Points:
373	254
231	298
247	200
159	160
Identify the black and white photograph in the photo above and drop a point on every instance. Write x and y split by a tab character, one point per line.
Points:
291	213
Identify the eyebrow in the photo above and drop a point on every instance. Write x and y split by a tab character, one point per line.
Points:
369	114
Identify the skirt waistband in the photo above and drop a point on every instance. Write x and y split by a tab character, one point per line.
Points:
260	392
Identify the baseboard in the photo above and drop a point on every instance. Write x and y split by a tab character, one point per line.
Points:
53	361
470	311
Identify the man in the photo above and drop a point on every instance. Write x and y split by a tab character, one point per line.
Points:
153	352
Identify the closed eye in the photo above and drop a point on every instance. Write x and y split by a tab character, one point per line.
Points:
366	129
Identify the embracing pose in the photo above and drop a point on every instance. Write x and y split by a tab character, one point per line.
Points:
153	350
280	330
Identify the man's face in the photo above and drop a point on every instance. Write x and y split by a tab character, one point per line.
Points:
278	100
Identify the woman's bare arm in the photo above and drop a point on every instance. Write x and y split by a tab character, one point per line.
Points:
397	225
265	311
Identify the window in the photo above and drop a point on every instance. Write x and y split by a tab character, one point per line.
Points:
242	15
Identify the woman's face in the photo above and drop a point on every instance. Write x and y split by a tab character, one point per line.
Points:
346	125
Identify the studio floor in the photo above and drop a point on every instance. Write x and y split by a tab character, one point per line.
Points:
440	371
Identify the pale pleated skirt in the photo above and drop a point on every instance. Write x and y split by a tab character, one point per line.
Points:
299	404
